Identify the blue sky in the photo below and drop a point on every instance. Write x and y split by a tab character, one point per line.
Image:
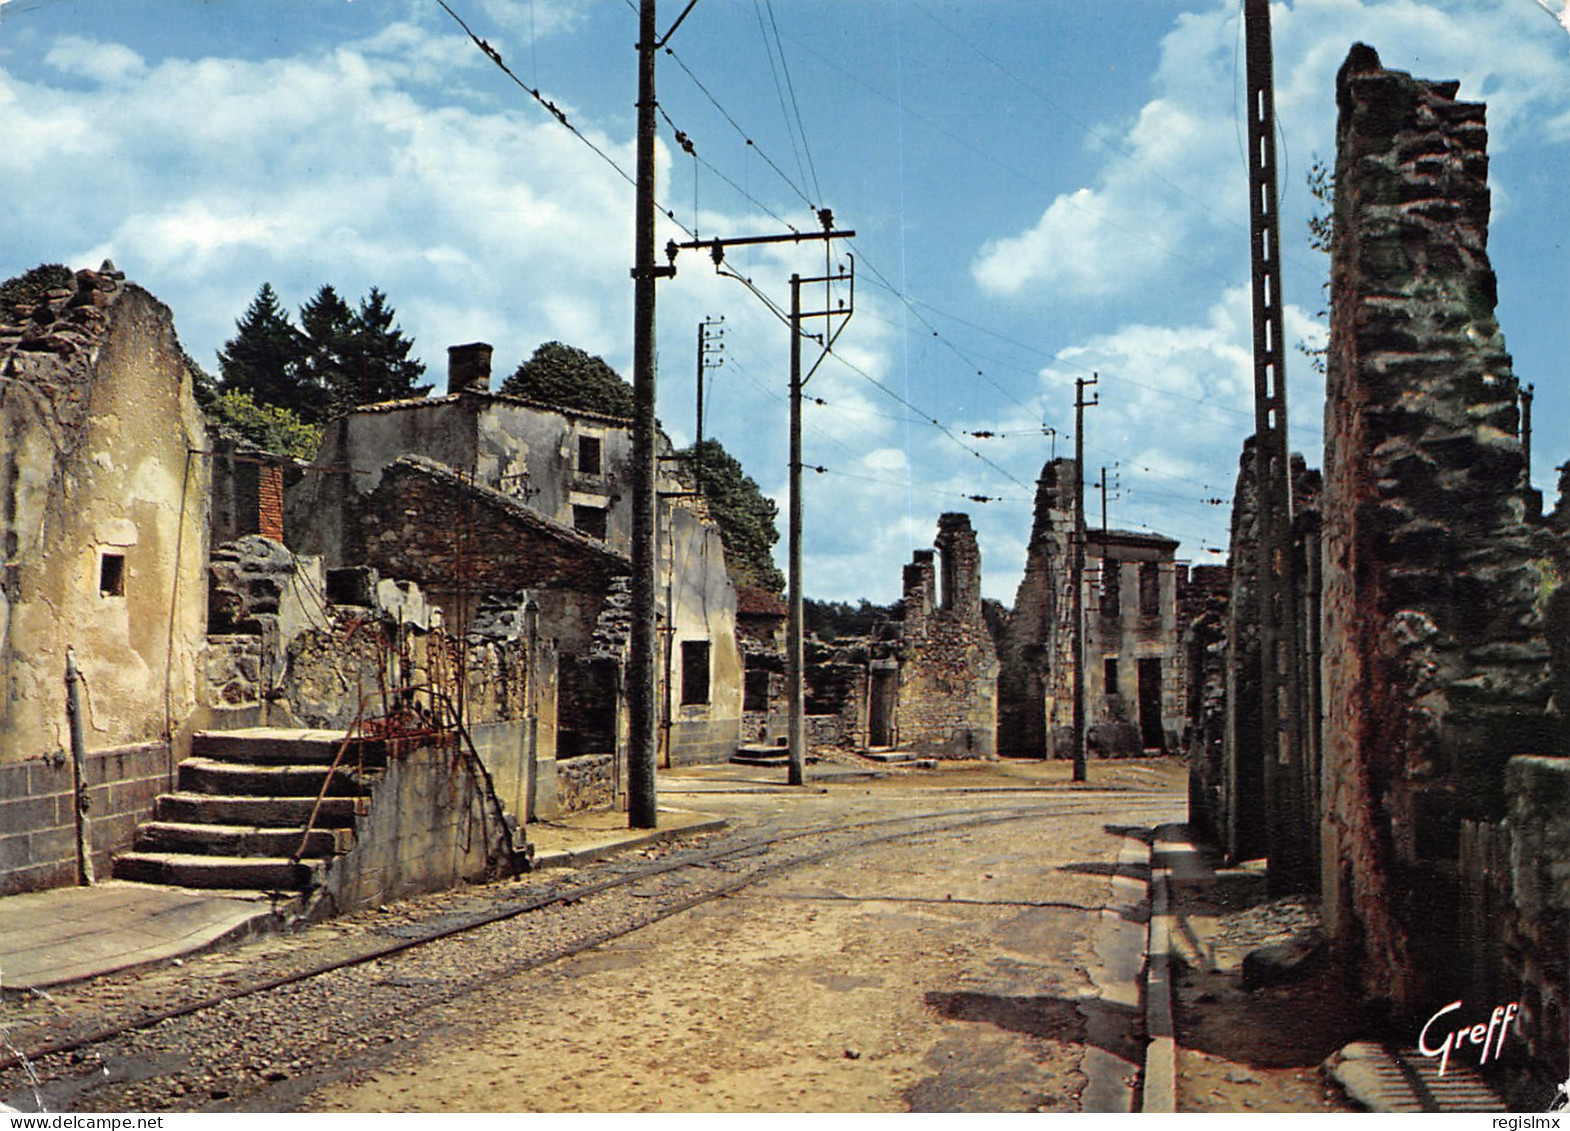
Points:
1040	190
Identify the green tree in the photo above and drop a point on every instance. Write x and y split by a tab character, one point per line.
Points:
746	517
327	353
263	357
831	620
375	365
270	428
566	377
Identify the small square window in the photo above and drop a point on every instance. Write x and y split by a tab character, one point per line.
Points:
588	455
590	521
111	575
694	672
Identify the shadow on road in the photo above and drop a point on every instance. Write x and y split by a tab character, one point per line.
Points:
1050	1018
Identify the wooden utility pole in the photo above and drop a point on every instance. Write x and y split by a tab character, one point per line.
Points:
642	713
1077	574
794	651
1290	790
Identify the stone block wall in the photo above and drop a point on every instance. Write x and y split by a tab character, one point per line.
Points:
1515	912
1435	665
37	813
586	782
431	825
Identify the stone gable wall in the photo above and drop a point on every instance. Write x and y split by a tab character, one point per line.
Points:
1435	669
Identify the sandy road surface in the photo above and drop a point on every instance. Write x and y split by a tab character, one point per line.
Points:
959	941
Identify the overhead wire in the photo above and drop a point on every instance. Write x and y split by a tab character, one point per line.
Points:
745	136
555	111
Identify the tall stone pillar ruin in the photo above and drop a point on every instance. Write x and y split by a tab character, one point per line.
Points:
1036	648
1435	664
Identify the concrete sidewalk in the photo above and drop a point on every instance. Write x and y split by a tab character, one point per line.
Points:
49	938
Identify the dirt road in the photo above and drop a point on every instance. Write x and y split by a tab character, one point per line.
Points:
966	941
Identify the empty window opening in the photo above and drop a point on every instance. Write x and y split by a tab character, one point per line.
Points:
590	521
1149	589
755	690
111	575
1109	675
588	455
1111	598
694	672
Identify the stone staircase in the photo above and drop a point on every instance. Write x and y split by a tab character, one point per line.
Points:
240	810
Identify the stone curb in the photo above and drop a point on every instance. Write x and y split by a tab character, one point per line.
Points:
622	842
1158	1091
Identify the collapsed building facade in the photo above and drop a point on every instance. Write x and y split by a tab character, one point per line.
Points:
1135	665
1425	580
926	680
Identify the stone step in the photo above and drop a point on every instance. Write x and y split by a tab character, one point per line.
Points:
176	869
233	779
280	746
239	840
263	812
761	756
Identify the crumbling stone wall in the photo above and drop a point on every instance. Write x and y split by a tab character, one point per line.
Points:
948	677
1436	670
1515	915
1204	615
102	517
1034	642
1240	814
103	536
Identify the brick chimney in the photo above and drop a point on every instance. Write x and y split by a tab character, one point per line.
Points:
469	368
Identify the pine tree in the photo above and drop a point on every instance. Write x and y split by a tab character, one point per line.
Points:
326	353
567	377
262	359
376	366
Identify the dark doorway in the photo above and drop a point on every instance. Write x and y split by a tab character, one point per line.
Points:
880	721
1152	735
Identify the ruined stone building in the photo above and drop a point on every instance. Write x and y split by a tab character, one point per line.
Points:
116	499
1134	670
448	586
1135	697
1425	581
760	629
943	698
926	681
432	489
103	519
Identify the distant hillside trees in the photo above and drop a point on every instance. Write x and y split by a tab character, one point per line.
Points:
832	620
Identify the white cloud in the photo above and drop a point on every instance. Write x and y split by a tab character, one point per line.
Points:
1172	185
101	62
